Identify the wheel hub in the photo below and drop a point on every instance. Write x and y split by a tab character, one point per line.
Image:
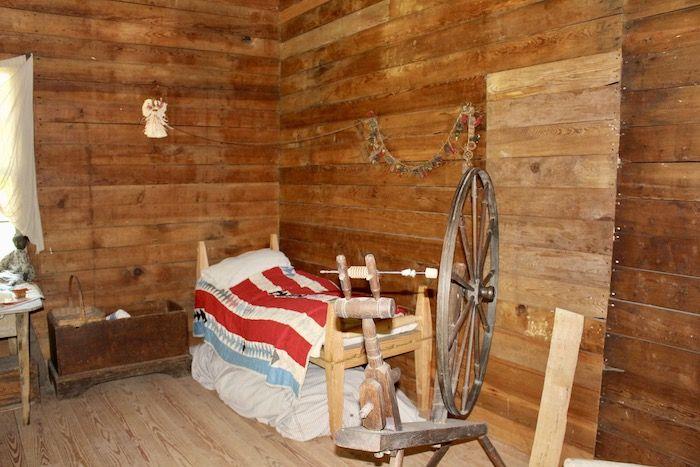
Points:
480	292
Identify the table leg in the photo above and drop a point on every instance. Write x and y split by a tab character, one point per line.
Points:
23	354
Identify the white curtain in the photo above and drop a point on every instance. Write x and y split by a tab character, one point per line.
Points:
18	193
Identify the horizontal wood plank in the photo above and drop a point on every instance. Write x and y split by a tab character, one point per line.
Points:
656	324
674	291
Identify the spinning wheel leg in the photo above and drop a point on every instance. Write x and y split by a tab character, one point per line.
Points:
438	455
397	460
491	452
438	412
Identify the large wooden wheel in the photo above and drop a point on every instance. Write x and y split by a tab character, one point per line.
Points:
467	288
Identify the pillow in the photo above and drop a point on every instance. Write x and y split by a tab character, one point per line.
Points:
233	271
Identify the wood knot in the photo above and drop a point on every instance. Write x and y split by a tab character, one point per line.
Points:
535	167
521	309
136	272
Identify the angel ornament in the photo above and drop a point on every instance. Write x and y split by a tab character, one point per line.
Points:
153	111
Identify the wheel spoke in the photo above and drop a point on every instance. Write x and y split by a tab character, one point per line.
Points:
482	316
465	245
488	278
460	281
454	331
477	354
456	363
454	325
467	373
484	248
453	348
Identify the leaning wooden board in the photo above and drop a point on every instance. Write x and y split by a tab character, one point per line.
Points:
556	394
152	340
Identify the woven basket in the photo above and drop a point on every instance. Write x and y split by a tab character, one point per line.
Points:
73	315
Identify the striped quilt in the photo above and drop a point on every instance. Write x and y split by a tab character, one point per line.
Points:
269	323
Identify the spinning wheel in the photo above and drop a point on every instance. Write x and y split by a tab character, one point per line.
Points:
467	288
466	315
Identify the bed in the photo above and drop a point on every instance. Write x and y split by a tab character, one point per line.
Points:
274	320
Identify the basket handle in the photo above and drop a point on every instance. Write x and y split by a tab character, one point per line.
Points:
80	295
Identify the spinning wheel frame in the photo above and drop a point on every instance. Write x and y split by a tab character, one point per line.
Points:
382	431
466	298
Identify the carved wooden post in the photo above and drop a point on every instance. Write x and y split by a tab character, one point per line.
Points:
345	284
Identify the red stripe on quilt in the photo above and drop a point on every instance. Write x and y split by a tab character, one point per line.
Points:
271	332
280	279
249	292
327	284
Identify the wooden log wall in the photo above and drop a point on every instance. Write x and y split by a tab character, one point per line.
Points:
649	405
414	63
552	154
124	212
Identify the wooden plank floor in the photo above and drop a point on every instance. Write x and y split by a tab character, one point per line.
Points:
159	420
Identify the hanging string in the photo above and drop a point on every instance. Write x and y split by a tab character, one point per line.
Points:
357	124
467	121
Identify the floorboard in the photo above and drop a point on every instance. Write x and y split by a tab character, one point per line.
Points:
160	420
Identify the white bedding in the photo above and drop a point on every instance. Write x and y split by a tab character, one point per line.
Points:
302	418
233	271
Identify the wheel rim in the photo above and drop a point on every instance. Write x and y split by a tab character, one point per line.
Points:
467	292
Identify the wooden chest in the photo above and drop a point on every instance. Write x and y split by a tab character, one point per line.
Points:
152	340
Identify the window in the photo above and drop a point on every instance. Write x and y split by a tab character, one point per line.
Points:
18	192
7	232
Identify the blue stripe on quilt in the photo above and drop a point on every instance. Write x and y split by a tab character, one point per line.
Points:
274	376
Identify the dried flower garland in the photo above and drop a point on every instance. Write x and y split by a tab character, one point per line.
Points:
468	119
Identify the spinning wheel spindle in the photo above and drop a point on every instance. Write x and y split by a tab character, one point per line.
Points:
361	272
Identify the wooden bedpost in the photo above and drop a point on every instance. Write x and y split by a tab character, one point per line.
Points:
335	370
202	260
274	242
424	352
333	354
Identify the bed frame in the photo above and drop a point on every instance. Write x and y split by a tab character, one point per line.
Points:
335	358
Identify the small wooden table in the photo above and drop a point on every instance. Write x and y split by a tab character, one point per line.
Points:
20	330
